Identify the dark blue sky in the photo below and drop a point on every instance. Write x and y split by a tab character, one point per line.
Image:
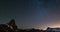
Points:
38	14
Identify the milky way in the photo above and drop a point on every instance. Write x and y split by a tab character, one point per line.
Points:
38	14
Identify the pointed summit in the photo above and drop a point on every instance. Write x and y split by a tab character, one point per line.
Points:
12	24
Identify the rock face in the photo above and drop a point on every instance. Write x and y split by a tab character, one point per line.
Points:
9	27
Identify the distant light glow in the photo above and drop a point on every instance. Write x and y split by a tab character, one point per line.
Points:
55	27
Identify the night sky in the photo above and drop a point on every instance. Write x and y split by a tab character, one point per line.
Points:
38	14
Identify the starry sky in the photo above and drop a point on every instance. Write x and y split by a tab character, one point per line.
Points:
38	14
